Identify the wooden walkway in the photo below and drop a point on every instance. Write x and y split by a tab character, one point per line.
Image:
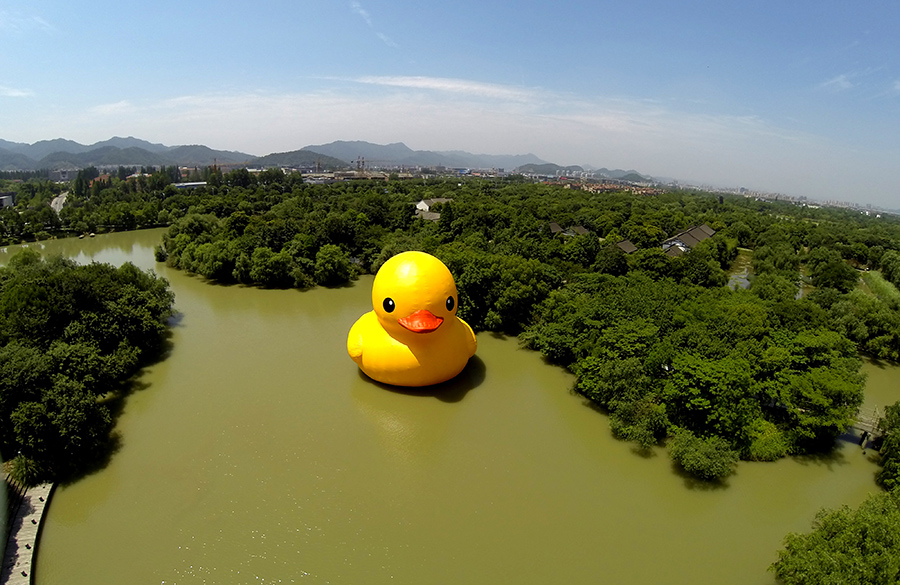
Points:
24	531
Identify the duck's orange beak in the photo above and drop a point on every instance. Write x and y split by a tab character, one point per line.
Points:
422	321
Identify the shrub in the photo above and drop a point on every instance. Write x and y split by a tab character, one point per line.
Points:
767	442
706	458
25	471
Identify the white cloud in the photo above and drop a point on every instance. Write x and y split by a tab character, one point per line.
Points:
387	40
17	24
358	9
494	119
42	24
364	14
457	86
121	107
839	83
488	118
13	92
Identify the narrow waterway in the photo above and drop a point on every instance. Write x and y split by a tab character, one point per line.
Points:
257	453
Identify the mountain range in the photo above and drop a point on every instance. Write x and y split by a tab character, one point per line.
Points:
398	154
67	154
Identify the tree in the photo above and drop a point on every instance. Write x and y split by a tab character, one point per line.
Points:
611	260
889	474
819	387
652	261
270	269
712	396
890	267
778	258
710	458
827	268
71	334
846	546
333	266
773	287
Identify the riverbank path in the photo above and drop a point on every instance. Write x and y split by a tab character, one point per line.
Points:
24	531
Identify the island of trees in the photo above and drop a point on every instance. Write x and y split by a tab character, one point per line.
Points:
657	341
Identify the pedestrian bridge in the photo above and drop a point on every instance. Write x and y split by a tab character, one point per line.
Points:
867	421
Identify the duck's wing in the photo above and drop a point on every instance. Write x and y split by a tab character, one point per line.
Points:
471	342
355	340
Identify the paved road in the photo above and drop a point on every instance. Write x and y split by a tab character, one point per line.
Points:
23	536
58	202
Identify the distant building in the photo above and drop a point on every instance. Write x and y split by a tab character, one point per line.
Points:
101	179
685	241
578	230
62	175
425	205
575	230
423	208
627	246
7	199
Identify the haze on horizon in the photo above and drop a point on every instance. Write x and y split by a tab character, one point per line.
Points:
801	98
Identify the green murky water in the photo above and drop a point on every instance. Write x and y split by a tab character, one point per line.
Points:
257	453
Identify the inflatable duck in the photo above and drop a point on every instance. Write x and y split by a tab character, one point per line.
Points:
413	337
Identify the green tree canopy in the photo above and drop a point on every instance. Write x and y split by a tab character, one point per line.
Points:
70	335
846	546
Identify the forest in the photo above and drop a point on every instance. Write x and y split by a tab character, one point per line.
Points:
72	337
660	343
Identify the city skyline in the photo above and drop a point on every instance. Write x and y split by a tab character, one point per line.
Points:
801	99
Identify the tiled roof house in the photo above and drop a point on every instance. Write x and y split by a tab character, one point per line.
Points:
686	240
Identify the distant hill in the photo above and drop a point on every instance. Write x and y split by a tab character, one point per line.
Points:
42	149
199	155
13	161
633	178
621	175
132	142
104	156
491	161
398	154
350	151
67	154
299	159
60	153
548	169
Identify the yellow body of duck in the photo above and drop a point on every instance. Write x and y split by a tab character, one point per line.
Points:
413	336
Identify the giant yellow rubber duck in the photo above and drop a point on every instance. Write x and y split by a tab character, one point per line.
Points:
413	337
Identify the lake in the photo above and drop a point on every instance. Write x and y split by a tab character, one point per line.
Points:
257	453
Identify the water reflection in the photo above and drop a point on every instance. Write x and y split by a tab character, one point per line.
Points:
452	390
739	272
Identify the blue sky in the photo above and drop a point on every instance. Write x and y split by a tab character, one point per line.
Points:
796	97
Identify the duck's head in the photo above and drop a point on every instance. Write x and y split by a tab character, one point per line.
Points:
414	292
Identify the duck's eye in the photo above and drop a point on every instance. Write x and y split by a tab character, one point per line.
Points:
388	305
450	303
